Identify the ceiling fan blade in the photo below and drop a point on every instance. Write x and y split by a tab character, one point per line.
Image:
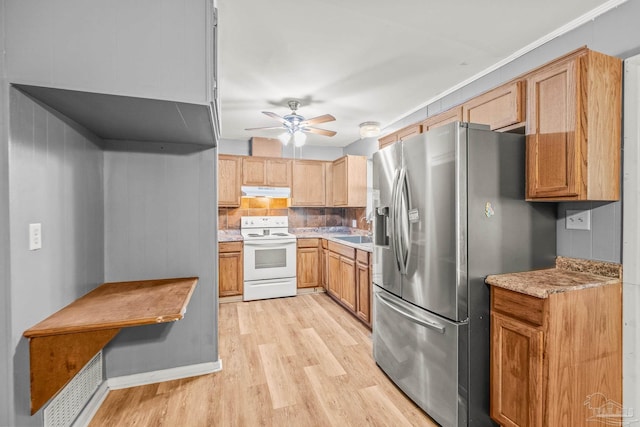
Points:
318	120
266	128
319	131
276	117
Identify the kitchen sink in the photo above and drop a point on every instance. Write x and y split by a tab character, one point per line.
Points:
355	239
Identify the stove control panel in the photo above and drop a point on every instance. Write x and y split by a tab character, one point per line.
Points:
264	222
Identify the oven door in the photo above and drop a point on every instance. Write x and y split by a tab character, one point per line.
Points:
269	259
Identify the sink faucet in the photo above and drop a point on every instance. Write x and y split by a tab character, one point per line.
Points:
368	218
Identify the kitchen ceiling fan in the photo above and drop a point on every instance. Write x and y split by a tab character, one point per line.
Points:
296	126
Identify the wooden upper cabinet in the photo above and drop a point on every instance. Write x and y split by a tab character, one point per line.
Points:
400	135
254	171
409	131
499	108
229	178
574	111
452	115
350	181
308	183
265	171
387	140
279	172
328	179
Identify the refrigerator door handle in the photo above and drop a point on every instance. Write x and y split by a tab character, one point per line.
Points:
404	194
394	220
423	322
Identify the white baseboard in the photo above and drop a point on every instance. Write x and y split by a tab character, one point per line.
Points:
164	375
145	378
90	409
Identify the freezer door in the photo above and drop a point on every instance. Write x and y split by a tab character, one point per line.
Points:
425	355
433	214
386	171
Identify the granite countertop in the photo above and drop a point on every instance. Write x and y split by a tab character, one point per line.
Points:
569	274
229	236
329	233
332	234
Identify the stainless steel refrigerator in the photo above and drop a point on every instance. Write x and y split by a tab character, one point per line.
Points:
449	210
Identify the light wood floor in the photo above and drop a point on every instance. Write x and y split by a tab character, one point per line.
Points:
301	361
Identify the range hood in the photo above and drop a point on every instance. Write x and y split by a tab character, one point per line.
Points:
273	192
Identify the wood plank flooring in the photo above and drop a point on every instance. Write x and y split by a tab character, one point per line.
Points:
301	361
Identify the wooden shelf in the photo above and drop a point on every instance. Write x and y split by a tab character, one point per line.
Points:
64	342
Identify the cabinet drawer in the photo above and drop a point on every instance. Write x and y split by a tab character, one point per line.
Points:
362	256
325	244
343	250
307	243
229	247
520	306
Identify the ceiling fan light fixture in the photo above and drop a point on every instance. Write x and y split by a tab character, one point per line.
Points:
299	138
369	129
285	137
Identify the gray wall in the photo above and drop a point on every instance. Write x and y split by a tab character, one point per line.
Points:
161	221
615	33
310	152
56	179
146	48
6	365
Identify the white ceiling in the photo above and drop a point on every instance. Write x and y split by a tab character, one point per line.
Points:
364	60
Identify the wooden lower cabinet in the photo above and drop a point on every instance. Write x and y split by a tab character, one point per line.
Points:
230	269
349	279
556	361
308	263
324	264
364	286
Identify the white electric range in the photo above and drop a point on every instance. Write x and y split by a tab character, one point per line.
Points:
269	257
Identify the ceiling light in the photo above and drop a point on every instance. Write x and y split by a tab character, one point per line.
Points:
299	138
285	137
369	129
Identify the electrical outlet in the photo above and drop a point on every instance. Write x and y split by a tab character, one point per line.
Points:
35	236
578	219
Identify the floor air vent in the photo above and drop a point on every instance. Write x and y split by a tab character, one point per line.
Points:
66	406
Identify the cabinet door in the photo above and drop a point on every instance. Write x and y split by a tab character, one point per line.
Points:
328	174
334	274
516	372
498	108
350	181
409	131
553	152
441	119
229	176
364	292
254	171
325	268
279	173
340	196
308	183
308	264
387	140
348	293
230	274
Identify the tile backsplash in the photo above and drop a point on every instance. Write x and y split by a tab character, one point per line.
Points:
229	218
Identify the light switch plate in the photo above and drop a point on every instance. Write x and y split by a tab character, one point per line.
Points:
35	236
578	219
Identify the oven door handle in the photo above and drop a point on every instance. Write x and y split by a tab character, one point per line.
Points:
269	244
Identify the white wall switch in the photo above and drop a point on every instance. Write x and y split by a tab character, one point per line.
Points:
35	236
578	219
354	223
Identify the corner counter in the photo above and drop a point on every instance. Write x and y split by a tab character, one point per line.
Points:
556	343
569	274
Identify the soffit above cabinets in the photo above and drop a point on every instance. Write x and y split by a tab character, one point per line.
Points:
128	118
